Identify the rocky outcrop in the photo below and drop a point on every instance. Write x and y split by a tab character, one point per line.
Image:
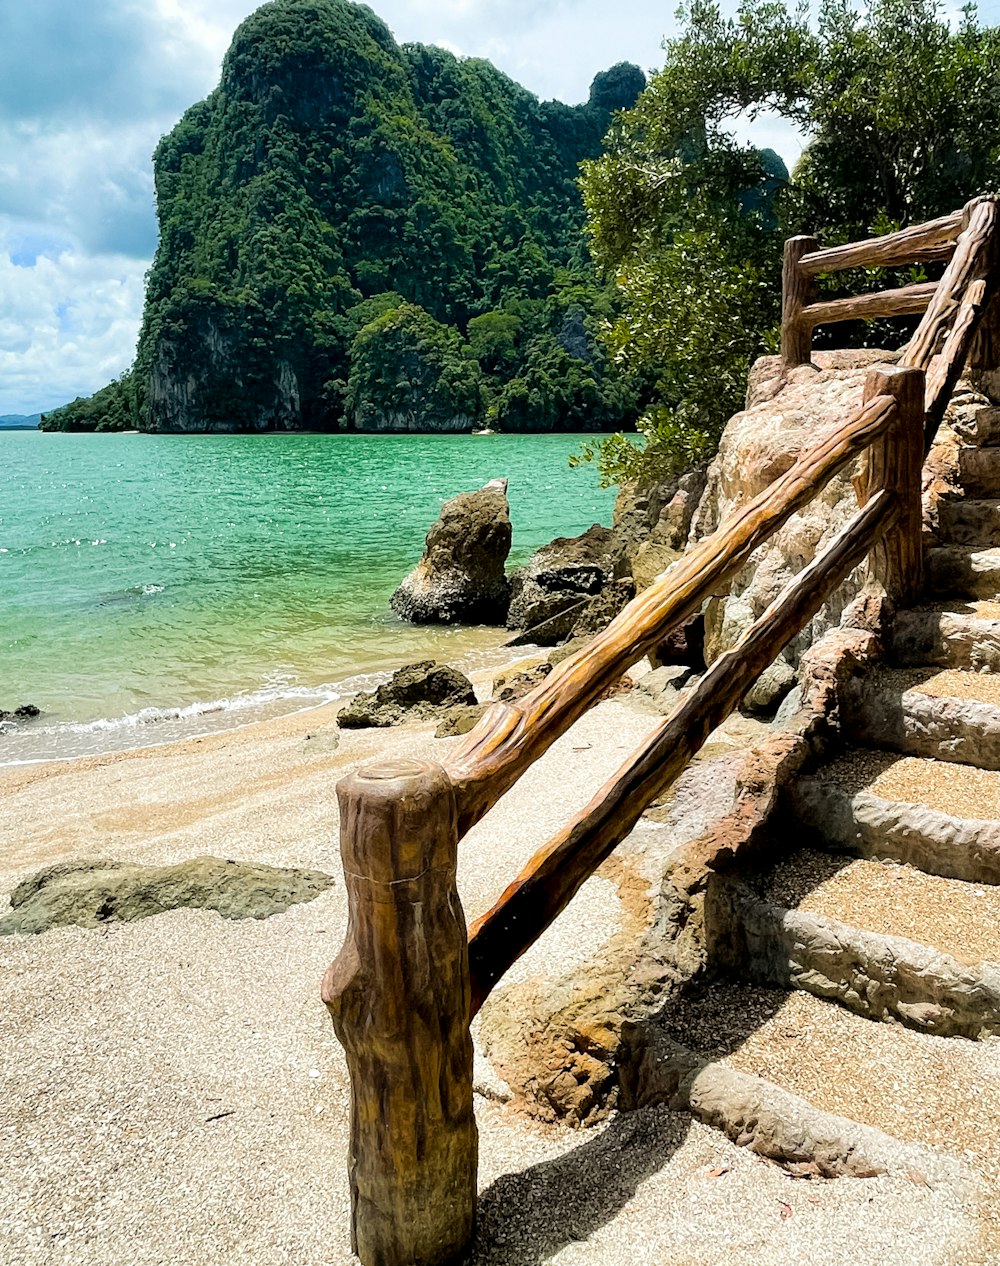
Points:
26	712
92	893
549	594
461	575
758	445
651	524
416	692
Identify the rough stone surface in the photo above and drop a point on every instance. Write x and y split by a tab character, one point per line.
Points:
461	575
663	685
460	720
516	681
969	522
770	688
881	712
947	638
979	471
964	572
557	580
754	1113
93	893
424	689
870	825
883	977
757	446
651	524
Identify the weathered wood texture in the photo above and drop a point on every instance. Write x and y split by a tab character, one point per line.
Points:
510	738
920	243
950	322
558	871
895	462
797	292
906	301
399	997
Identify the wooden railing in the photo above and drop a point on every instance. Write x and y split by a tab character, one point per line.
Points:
409	977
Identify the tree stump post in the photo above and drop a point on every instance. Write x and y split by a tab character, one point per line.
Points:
399	997
895	462
797	290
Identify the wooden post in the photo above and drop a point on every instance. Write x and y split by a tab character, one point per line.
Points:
797	290
399	996
895	462
984	357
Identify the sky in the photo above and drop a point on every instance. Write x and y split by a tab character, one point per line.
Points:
87	89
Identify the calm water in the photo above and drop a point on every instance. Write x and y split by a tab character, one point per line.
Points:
158	586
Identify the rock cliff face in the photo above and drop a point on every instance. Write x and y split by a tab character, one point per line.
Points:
757	446
334	175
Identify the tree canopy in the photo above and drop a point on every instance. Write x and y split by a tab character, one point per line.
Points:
901	114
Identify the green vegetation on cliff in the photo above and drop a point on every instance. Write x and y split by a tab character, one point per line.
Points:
340	196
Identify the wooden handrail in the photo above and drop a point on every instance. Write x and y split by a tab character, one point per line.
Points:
920	243
905	301
560	868
408	980
511	737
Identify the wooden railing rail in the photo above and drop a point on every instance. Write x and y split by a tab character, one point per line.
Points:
937	240
409	978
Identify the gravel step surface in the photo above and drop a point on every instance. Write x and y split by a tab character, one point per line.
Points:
959	790
958	918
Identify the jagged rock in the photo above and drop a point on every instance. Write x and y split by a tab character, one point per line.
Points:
460	720
597	614
92	893
651	524
461	575
517	680
424	689
663	686
770	688
26	712
548	594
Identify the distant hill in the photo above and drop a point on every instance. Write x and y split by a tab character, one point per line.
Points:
19	421
355	233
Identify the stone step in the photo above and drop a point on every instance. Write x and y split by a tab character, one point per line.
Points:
803	1082
969	522
949	716
977	425
969	573
874	974
949	635
979	471
869	825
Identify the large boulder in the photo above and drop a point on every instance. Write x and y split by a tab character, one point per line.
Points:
413	693
461	575
559	579
783	418
92	893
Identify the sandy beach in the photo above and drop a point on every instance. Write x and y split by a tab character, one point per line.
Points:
173	1091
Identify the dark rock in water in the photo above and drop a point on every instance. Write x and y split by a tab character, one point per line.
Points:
461	575
419	690
460	720
26	712
557	581
89	894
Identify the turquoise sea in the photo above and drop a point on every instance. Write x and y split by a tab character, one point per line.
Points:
156	587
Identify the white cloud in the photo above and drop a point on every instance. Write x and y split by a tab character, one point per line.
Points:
68	323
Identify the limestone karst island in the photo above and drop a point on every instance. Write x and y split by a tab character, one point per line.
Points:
500	655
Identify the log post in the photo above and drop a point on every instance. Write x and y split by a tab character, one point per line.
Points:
895	462
398	993
984	357
797	291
